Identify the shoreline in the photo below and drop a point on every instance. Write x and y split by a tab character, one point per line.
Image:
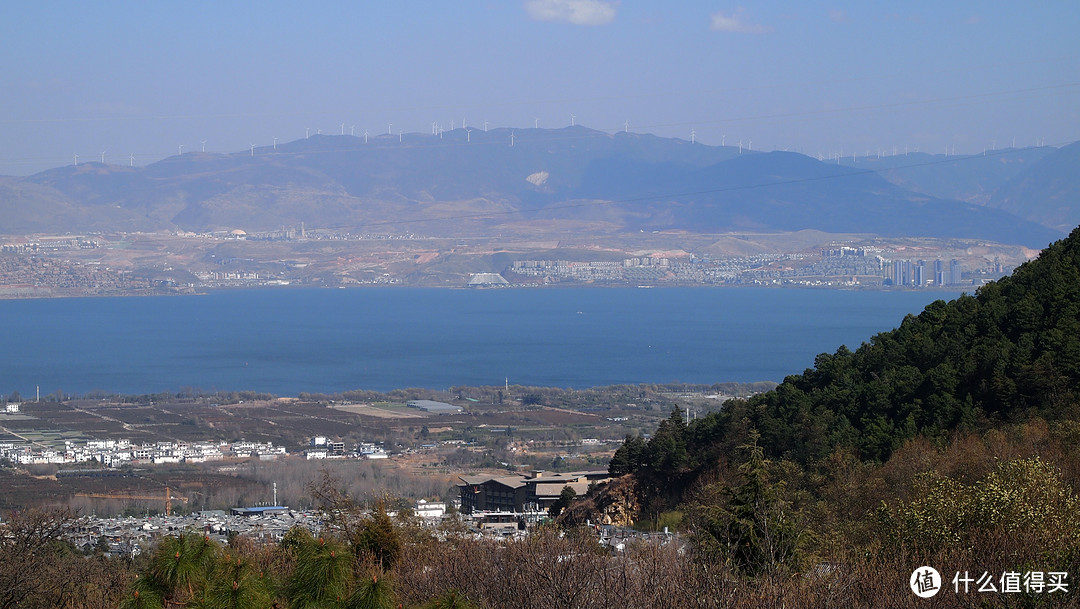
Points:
204	291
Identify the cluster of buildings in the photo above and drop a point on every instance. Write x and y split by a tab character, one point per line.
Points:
48	244
130	536
856	266
919	274
321	447
35	275
114	453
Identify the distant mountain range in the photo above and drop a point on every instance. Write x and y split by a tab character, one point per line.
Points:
518	180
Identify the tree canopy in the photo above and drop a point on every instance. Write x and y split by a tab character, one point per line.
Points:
1006	354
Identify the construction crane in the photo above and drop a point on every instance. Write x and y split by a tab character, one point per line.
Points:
168	498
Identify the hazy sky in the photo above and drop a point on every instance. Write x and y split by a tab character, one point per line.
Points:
143	78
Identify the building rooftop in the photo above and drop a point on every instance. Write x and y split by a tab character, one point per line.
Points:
433	406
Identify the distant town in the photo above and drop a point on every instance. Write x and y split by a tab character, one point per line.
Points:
160	263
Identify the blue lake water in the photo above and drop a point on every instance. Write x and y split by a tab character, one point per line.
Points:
292	340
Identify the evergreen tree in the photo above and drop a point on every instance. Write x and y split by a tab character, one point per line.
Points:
756	530
321	577
566	497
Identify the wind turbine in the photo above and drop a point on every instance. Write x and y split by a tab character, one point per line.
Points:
131	160
626	127
253	150
203	142
511	139
723	138
572	117
451	124
468	135
485	126
307	132
693	136
76	158
365	135
536	123
181	148
103	156
388	131
399	136
342	128
275	143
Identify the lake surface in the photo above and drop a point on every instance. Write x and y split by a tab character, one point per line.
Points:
292	340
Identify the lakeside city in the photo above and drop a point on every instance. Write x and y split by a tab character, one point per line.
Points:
540	304
153	263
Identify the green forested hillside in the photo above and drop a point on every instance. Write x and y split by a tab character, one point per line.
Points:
954	437
1009	353
953	440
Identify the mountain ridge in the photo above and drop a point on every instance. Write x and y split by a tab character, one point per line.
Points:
628	181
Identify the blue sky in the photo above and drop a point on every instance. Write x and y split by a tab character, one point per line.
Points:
139	78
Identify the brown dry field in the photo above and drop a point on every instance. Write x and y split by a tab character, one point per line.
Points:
490	437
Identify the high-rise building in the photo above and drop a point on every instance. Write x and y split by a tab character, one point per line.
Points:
919	279
939	272
955	276
901	272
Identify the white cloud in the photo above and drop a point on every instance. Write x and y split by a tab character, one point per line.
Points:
735	23
578	12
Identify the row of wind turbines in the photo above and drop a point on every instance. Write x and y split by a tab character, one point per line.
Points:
438	129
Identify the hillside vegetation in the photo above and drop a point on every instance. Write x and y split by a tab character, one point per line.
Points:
1007	354
950	440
